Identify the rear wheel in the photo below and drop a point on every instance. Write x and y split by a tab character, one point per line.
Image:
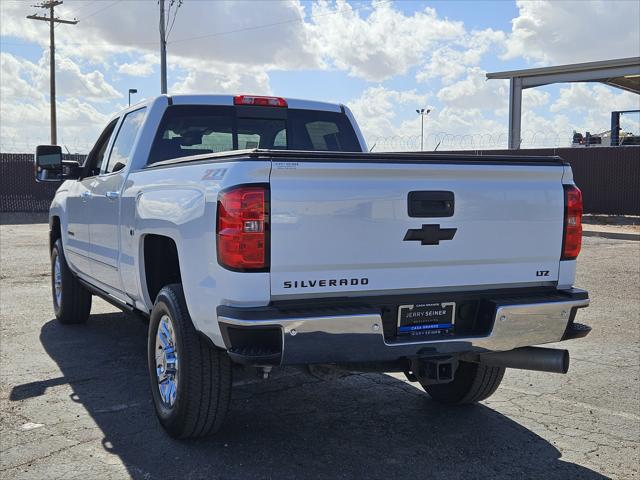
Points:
71	301
472	383
190	380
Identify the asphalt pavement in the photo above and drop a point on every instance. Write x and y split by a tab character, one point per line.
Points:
75	403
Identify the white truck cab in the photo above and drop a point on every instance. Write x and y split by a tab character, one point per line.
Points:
259	231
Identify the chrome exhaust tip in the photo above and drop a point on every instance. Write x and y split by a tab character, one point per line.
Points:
529	358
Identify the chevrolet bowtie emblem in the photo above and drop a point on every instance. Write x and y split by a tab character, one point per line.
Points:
430	234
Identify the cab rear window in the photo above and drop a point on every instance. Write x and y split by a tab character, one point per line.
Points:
200	129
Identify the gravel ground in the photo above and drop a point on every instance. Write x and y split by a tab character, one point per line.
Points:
74	401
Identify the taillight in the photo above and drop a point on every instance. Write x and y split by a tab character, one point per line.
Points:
572	238
243	224
259	101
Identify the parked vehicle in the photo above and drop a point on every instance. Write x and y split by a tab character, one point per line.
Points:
258	231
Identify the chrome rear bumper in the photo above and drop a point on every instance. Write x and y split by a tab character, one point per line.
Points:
358	336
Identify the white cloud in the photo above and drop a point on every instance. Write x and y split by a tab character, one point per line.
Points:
587	98
450	61
143	68
377	108
378	46
222	31
476	92
70	80
24	108
212	77
560	32
79	123
18	78
534	98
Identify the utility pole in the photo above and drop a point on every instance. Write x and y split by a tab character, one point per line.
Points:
163	50
52	53
166	26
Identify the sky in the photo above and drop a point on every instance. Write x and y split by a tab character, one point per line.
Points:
384	59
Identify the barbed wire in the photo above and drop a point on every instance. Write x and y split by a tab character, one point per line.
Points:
28	145
432	141
476	141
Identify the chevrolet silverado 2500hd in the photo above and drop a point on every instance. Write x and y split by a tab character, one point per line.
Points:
259	231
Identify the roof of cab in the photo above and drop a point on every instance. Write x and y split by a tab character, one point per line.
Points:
228	100
225	100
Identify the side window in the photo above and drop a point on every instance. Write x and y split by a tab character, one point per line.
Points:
281	139
96	157
123	145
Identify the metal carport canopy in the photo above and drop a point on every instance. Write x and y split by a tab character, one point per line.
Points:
621	73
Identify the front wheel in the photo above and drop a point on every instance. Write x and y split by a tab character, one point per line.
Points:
190	380
472	383
71	301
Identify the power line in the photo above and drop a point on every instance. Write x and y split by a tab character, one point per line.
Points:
52	19
282	22
101	9
83	7
75	14
175	14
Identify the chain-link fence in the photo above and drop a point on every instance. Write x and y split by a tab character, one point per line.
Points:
19	191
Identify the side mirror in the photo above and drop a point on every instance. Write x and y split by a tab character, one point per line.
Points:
48	163
49	166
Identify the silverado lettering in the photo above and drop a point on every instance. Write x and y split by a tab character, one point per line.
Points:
325	283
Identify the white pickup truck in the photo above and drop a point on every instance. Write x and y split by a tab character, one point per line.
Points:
259	231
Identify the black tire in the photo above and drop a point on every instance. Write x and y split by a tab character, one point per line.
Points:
472	383
204	377
74	305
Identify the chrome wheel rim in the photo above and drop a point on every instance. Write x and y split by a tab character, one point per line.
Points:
166	356
57	280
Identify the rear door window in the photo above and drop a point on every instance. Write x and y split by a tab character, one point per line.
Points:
95	159
123	144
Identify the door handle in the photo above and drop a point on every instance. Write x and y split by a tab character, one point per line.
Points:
427	204
112	195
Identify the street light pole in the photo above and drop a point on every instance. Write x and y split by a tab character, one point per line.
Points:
423	112
131	90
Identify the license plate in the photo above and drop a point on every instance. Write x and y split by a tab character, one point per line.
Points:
426	319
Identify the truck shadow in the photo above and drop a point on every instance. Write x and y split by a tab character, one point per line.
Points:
292	426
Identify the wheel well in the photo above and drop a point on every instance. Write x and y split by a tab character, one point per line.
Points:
54	231
161	265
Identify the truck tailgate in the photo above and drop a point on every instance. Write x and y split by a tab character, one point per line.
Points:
342	228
